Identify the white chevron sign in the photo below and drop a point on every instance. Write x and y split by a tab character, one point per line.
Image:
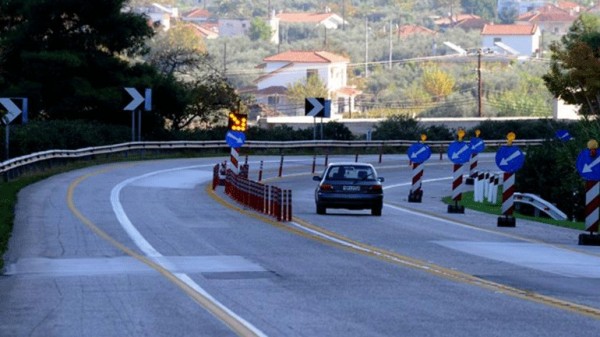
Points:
13	111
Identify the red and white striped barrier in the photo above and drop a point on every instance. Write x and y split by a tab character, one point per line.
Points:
508	201
592	204
457	186
457	182
473	165
508	191
416	193
234	158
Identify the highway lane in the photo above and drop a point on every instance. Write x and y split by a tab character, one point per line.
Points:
168	243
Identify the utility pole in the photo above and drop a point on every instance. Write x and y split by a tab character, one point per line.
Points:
390	60
343	14
479	85
224	59
366	47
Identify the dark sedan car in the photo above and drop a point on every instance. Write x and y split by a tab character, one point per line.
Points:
350	186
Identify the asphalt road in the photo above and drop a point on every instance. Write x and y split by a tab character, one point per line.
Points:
145	249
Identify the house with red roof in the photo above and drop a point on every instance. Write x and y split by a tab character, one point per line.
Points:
455	20
287	68
550	18
515	39
328	20
206	30
196	15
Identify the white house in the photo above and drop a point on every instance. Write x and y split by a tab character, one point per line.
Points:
158	13
233	27
285	69
521	6
522	40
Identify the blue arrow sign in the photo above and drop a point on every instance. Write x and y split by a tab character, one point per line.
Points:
477	145
563	135
418	153
510	158
588	166
235	139
459	152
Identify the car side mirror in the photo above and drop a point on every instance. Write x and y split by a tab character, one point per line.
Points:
381	179
317	178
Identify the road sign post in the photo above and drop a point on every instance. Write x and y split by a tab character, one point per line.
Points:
477	146
237	124
317	107
589	169
509	159
137	100
418	154
459	152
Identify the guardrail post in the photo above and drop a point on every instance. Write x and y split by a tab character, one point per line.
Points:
281	167
314	163
380	153
260	171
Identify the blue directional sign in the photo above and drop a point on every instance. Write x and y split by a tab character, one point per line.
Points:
563	135
459	152
477	145
588	166
419	153
235	139
510	158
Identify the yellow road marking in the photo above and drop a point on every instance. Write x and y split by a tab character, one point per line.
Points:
230	321
337	240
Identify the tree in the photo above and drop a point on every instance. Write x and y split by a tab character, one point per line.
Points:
313	87
260	30
176	51
397	127
437	83
484	8
193	92
68	56
574	74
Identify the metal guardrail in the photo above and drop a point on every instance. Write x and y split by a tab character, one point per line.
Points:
15	167
540	205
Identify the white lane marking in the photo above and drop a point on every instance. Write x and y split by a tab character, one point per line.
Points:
128	264
158	258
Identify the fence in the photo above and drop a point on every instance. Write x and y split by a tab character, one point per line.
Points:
16	167
266	199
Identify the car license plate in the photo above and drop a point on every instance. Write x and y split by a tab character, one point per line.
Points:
351	188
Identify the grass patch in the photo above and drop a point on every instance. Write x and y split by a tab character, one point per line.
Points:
487	207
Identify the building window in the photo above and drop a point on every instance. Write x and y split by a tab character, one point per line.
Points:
273	100
497	39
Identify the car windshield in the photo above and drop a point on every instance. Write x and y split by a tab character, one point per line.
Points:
351	172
